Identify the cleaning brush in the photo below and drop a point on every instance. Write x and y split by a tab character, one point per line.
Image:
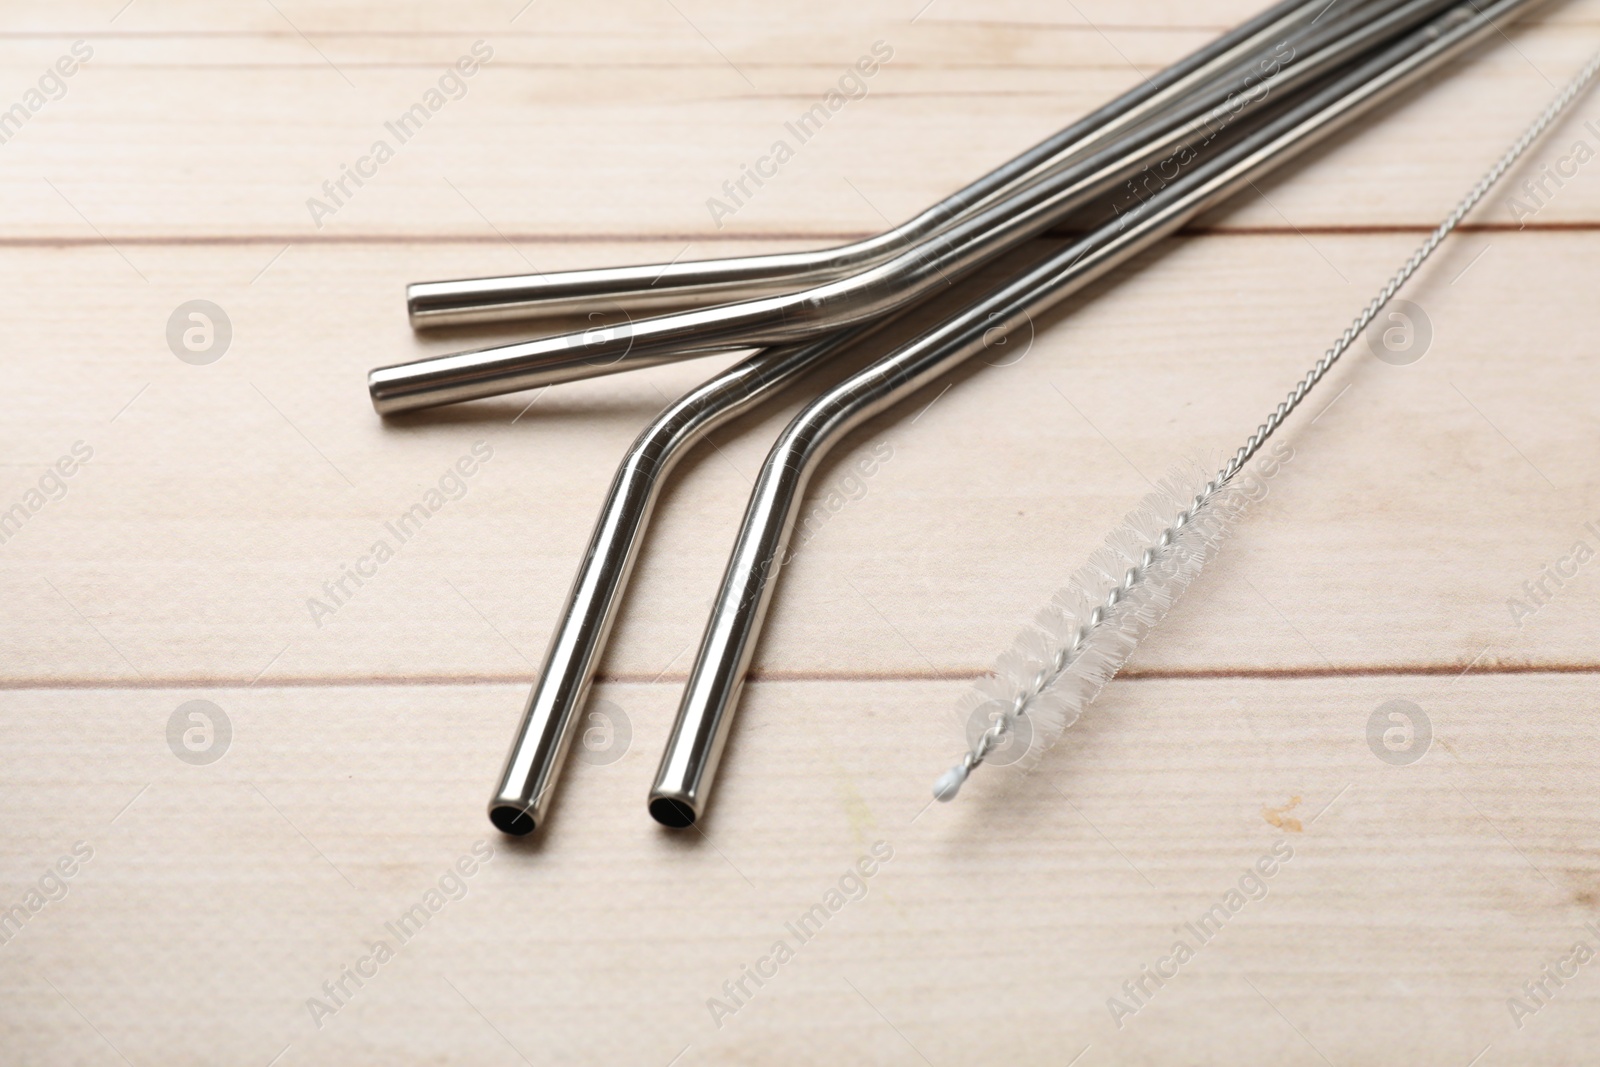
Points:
1058	665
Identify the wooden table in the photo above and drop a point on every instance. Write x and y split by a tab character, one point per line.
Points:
213	908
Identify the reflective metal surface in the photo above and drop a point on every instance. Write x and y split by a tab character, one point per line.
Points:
534	764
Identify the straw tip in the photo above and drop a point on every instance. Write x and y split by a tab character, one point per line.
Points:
513	820
387	397
672	812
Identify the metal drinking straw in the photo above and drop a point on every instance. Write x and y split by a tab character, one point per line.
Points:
658	286
689	764
877	290
534	763
532	767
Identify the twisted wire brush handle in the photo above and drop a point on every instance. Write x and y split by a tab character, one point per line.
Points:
1563	100
1047	676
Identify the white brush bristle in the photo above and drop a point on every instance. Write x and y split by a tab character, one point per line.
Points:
1026	680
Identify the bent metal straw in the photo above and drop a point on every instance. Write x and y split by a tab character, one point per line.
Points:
534	763
888	286
663	285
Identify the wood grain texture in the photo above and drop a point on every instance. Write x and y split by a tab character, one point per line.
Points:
1418	503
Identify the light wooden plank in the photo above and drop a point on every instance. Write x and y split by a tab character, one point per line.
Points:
620	145
216	505
1414	905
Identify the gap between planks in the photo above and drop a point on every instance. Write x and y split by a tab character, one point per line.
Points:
634	237
1420	670
454	32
